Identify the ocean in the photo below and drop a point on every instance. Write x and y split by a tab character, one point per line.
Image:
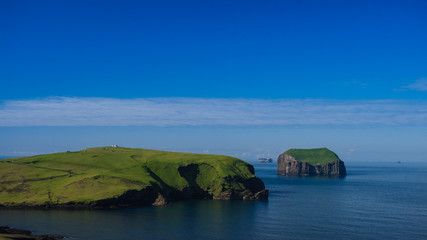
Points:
374	201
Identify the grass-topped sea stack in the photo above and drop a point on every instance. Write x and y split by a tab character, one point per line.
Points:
114	177
318	161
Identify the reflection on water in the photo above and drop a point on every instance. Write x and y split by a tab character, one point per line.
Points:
370	203
205	219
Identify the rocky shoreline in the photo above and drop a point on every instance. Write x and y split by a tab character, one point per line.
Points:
18	234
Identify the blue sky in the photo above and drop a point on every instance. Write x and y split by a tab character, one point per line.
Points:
245	78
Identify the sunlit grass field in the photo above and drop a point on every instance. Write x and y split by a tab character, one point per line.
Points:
99	173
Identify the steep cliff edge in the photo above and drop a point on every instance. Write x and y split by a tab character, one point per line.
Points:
319	161
112	177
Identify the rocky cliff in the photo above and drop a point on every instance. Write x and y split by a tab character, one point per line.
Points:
312	162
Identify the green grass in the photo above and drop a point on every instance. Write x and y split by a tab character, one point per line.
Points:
97	173
315	156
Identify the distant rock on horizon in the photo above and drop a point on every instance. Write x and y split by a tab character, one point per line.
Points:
265	160
311	162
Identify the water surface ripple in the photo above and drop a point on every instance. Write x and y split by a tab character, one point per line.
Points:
375	201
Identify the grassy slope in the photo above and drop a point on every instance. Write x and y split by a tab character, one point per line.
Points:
313	156
94	174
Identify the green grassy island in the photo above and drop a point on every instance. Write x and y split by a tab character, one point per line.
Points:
115	177
315	156
315	162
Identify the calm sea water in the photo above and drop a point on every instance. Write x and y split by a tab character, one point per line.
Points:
375	201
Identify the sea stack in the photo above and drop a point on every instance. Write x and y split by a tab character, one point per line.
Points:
311	162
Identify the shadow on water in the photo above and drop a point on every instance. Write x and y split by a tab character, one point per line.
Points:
195	219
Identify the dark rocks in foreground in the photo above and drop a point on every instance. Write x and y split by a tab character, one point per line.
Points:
17	234
288	165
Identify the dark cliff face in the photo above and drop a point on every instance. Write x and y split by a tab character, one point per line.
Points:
288	165
254	190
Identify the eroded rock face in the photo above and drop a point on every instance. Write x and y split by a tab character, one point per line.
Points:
288	165
254	190
160	201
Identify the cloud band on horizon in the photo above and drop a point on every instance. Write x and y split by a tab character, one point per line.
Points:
76	111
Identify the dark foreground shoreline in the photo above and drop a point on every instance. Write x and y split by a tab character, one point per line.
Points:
18	234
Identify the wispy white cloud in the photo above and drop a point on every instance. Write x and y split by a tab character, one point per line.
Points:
418	85
64	111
